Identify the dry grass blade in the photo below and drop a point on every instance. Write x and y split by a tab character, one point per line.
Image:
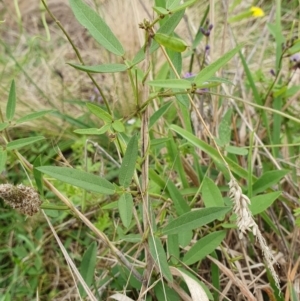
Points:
70	261
242	286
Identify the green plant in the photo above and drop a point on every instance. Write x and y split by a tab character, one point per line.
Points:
177	185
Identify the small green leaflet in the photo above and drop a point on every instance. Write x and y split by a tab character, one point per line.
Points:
171	83
99	112
3	157
128	164
262	202
206	73
211	194
125	206
204	247
105	68
268	179
170	42
159	255
79	178
33	116
87	267
19	143
11	104
96	27
194	219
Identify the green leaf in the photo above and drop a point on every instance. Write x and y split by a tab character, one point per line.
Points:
128	164
204	247
179	202
236	150
125	205
206	73
185	237
183	6
160	10
268	179
170	42
87	267
159	141
91	131
261	202
164	293
194	219
211	194
79	178
295	48
99	112
38	175
11	103
3	126
236	168
96	27
19	143
171	83
173	248
225	128
3	158
158	253
171	4
118	126
105	68
33	116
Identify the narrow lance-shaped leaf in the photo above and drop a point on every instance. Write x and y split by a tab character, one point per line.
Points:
105	68
87	266
128	164
3	126
194	219
171	4
211	69
170	42
3	158
184	5
33	116
211	194
38	175
261	202
96	27
204	247
125	205
100	113
11	104
19	143
79	178
268	179
159	255
171	83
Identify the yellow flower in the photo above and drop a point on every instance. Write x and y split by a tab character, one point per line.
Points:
257	11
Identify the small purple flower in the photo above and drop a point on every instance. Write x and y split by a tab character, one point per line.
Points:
206	32
272	72
188	75
202	91
295	57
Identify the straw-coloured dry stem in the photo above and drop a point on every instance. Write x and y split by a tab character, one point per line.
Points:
23	198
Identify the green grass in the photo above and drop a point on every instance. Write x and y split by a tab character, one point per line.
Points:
145	173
